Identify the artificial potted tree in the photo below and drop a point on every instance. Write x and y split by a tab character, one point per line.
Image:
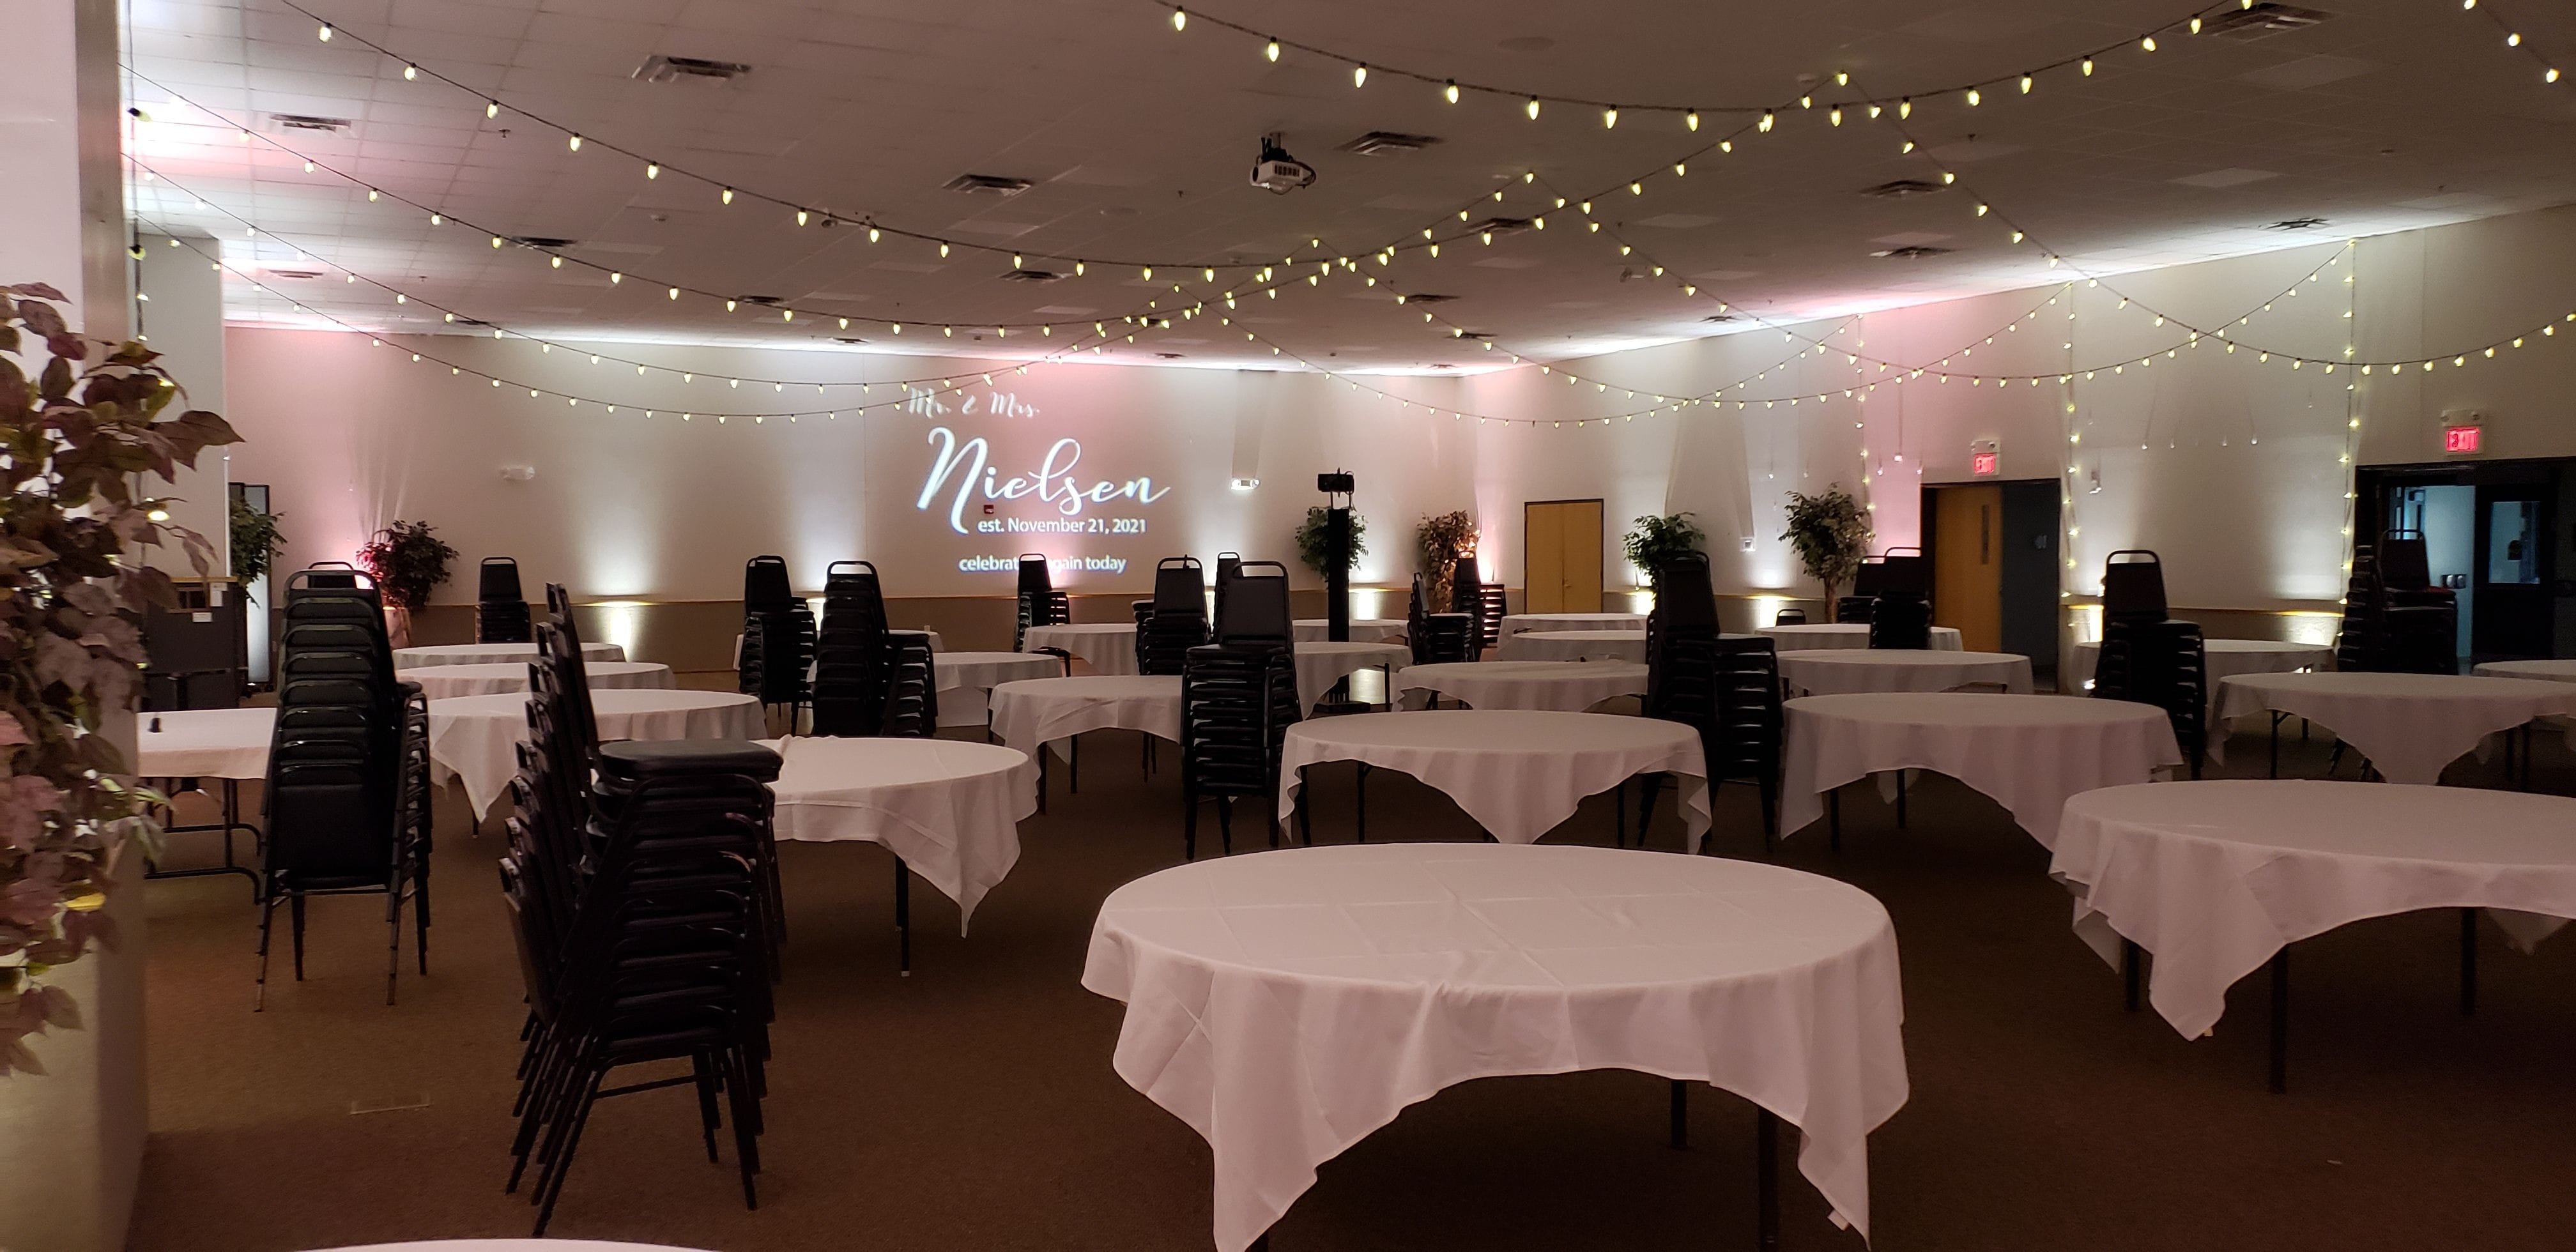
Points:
1443	542
407	559
82	434
1310	540
1831	533
255	537
1660	538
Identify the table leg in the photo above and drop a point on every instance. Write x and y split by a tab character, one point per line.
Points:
2129	971
2281	1021
1834	819
1043	754
1766	1180
1681	1114
2276	744
1305	815
903	916
1900	799
1073	767
2468	962
1363	802
1619	814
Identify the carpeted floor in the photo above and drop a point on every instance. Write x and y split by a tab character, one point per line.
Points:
971	1106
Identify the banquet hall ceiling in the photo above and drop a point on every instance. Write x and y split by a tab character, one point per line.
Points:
1136	139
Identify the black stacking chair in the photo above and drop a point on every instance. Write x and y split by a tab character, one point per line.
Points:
1900	614
1681	665
1040	604
1437	638
1861	602
500	608
1484	602
1175	620
2149	658
2418	622
1238	698
852	652
777	637
347	804
1789	617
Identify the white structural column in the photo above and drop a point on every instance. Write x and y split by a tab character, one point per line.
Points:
71	1141
180	314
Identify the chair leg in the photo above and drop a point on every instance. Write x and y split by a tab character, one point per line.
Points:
550	1184
295	927
746	1147
420	923
393	937
703	1069
1225	825
267	916
903	917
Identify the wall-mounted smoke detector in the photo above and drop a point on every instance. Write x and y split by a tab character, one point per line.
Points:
986	185
1388	143
662	69
308	123
1912	252
1031	276
2297	223
1901	189
2261	20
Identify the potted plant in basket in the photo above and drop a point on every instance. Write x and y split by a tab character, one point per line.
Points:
1831	534
1444	541
1659	538
406	559
81	435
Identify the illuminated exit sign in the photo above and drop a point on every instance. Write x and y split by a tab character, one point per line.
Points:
2463	440
1985	458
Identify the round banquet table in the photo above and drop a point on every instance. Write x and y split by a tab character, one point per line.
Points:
2224	658
1286	1004
1515	623
2216	878
1033	712
2028	753
511	1245
441	682
948	809
1363	629
475	738
966	680
492	654
1322	665
1540	686
204	743
2408	725
1574	645
1518	773
2542	671
1847	635
1110	647
1857	671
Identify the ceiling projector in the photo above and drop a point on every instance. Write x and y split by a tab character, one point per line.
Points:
1277	172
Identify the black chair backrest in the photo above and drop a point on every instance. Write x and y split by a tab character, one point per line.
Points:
1034	579
1789	617
2134	588
764	585
1180	586
2404	562
1870	580
498	579
1902	571
1254	606
1685	595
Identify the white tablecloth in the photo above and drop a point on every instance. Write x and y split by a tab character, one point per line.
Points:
1545	686
1320	665
966	679
2225	658
1287	1004
1110	647
1846	635
2409	725
512	1245
475	738
1574	645
1363	629
2214	877
2543	671
1040	711
204	743
2029	753
1855	671
1515	623
492	654
1518	773
951	809
441	682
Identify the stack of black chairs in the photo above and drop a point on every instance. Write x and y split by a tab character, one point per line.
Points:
348	796
1726	688
777	637
1040	603
869	680
1175	620
1483	601
1900	611
646	911
1238	698
500	608
2394	619
1867	581
2148	657
1437	638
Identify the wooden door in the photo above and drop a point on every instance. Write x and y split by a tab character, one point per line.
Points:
1561	556
1967	564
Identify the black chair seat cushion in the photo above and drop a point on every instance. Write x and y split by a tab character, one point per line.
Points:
644	758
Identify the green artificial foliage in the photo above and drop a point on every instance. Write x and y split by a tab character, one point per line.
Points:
406	560
1310	539
254	542
1659	538
1831	534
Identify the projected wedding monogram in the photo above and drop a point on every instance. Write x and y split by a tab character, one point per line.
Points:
964	470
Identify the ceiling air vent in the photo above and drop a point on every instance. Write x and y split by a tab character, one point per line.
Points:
1914	252
309	122
662	69
1387	142
986	185
1901	189
1169	356
763	301
471	321
295	273
1031	276
2261	20
848	339
1722	317
548	242
1500	226
2297	223
1423	297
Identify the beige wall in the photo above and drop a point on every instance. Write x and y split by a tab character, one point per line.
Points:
2234	468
